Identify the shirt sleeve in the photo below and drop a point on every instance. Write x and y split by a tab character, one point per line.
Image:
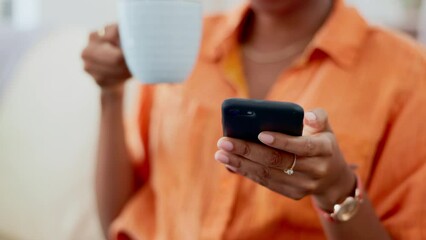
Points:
397	186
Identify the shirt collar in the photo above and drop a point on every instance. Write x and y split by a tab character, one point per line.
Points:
340	37
221	40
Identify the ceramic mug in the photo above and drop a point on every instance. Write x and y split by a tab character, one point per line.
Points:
160	38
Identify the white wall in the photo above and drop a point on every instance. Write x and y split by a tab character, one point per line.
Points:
26	14
95	13
220	5
92	13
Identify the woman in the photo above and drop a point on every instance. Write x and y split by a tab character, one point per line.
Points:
364	153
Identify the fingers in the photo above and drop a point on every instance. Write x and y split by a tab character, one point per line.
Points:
257	153
316	121
305	146
108	34
104	60
112	34
317	140
295	186
103	53
255	171
105	76
94	37
111	72
105	64
319	159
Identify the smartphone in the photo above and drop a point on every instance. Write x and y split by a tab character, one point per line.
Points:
246	118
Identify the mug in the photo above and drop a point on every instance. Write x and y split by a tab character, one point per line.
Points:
160	38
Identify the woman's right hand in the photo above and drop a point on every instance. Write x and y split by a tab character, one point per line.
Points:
104	60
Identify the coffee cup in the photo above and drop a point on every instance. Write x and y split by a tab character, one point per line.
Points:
160	38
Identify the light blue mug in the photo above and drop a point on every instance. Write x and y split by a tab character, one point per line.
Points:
160	38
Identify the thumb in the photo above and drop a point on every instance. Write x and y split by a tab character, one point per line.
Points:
316	121
112	34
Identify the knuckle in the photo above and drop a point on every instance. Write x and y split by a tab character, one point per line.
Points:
320	171
88	70
245	150
328	145
284	143
235	162
275	159
309	147
89	52
85	53
320	168
117	59
310	187
265	173
101	81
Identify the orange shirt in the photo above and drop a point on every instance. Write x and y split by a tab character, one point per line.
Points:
370	81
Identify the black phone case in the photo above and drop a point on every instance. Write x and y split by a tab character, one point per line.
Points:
246	118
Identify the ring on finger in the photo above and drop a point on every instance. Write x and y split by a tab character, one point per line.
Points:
290	171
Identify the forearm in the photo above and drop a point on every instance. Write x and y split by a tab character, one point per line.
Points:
364	225
114	175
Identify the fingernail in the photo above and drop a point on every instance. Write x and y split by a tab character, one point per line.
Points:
225	145
310	116
266	138
221	158
231	169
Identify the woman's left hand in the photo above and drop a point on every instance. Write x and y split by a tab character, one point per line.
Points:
320	168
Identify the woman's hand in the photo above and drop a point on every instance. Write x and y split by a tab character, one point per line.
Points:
104	59
320	169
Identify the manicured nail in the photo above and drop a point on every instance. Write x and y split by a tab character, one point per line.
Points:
221	157
310	116
231	169
266	138
225	145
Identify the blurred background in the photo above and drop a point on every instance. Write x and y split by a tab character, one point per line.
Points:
49	109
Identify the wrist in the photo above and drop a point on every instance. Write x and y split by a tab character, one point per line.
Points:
344	187
112	93
345	210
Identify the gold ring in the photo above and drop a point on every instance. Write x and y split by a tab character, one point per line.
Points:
290	171
102	32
